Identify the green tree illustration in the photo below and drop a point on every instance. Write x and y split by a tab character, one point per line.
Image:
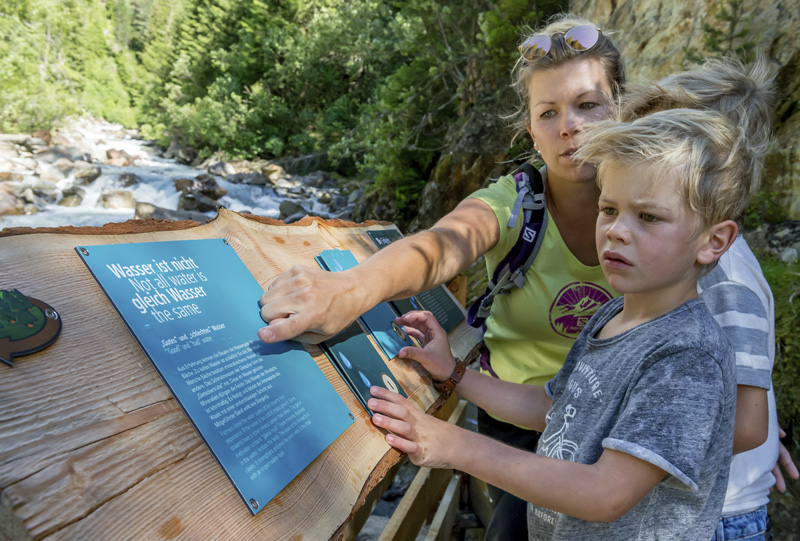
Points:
19	318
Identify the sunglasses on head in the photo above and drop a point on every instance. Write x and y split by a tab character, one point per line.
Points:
577	38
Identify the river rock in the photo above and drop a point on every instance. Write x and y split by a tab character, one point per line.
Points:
8	149
29	197
15	138
72	197
129	179
196	201
222	169
338	203
65	165
117	199
57	152
316	179
325	198
9	202
180	152
208	186
35	144
202	184
44	135
256	179
146	211
50	172
85	173
289	208
272	171
120	158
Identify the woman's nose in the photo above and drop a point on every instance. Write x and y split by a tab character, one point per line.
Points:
571	124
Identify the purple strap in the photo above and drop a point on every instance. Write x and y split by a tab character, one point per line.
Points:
485	362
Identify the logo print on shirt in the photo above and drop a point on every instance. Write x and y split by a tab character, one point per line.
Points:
556	445
574	305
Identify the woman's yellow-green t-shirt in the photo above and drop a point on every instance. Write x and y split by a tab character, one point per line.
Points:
531	329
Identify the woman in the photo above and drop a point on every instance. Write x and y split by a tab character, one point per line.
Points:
570	74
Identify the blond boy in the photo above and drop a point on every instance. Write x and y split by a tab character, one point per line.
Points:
638	424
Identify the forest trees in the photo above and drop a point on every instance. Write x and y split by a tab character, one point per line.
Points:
373	84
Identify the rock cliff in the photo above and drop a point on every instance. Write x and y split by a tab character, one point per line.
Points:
653	34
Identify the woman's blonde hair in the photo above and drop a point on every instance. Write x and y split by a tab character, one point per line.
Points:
560	53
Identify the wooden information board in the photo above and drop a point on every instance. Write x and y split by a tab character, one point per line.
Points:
94	446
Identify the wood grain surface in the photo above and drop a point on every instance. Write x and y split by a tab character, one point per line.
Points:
94	446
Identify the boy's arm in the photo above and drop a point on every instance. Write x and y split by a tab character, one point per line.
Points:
743	318
752	418
522	405
600	492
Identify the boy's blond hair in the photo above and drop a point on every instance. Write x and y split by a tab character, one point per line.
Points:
743	93
702	149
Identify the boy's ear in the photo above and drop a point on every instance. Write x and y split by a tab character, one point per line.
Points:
718	239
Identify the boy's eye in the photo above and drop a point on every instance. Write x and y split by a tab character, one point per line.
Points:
647	217
608	211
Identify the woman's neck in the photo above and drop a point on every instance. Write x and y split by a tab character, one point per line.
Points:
573	207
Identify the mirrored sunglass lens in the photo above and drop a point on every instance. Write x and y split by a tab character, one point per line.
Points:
581	38
535	47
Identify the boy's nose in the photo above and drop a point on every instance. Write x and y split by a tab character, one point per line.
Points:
619	231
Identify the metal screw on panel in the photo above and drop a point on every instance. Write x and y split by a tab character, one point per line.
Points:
84	251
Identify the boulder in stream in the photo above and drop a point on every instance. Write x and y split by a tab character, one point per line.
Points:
129	179
147	211
85	173
117	199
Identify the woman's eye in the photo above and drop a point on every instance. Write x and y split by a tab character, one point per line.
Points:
588	105
547	114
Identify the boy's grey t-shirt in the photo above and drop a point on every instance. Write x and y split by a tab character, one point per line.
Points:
664	392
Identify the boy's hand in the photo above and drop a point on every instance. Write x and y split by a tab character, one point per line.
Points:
435	355
427	440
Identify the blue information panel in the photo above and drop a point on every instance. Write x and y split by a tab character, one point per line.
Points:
379	320
265	411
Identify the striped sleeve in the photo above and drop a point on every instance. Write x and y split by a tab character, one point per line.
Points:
742	317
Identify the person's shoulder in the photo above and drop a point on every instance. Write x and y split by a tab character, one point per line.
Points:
738	269
503	186
689	326
699	330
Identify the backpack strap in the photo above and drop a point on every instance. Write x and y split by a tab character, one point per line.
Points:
510	272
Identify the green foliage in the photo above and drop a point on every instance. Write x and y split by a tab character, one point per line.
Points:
727	35
59	58
375	84
765	207
784	280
